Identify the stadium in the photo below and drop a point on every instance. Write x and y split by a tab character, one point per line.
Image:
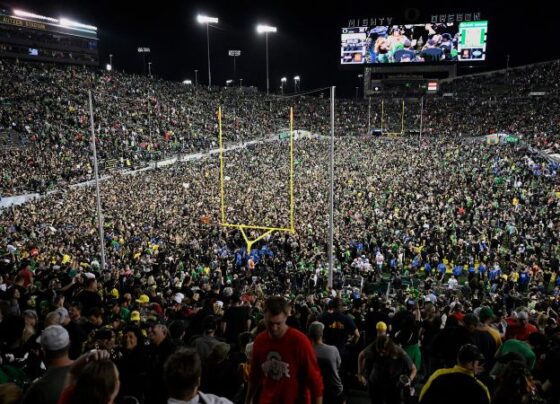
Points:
372	216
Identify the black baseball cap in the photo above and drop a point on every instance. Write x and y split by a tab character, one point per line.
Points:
469	353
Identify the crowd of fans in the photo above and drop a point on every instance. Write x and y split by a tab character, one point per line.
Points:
138	119
446	259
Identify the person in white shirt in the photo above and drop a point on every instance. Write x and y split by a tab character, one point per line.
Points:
452	283
379	260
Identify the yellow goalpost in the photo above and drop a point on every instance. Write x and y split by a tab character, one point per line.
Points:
242	227
382	120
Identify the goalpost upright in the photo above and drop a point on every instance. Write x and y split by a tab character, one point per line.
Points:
291	228
383	116
242	227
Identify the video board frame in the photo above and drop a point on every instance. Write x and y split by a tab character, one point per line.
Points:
414	43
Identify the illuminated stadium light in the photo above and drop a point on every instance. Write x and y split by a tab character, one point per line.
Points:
65	22
204	19
261	29
266	29
187	82
21	13
228	82
108	67
283	79
296	78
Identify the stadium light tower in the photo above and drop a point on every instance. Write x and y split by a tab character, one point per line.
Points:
143	50
296	83
283	81
204	19
360	83
150	69
266	29
187	82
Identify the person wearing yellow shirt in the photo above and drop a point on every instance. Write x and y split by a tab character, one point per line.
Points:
486	316
514	277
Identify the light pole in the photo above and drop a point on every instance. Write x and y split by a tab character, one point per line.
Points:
283	81
360	82
150	69
97	193
143	50
240	83
195	77
204	19
111	60
234	53
296	84
265	29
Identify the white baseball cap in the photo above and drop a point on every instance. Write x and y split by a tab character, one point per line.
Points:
54	338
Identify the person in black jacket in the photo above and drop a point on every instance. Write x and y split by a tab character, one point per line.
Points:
459	383
132	364
161	348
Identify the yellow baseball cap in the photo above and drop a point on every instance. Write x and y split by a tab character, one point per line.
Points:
143	299
381	326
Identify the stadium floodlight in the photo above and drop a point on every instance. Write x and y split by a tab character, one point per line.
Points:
283	79
296	83
108	67
228	82
204	19
65	22
266	29
187	82
21	13
143	50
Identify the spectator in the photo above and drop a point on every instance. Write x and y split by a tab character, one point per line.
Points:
383	367
329	361
338	326
55	344
182	374
459	382
284	364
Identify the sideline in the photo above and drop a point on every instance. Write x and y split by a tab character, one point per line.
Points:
8	201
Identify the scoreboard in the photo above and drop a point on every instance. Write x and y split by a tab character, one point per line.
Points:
449	42
29	36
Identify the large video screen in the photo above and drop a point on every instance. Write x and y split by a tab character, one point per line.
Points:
418	43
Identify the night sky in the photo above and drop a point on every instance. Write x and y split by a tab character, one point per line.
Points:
307	42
